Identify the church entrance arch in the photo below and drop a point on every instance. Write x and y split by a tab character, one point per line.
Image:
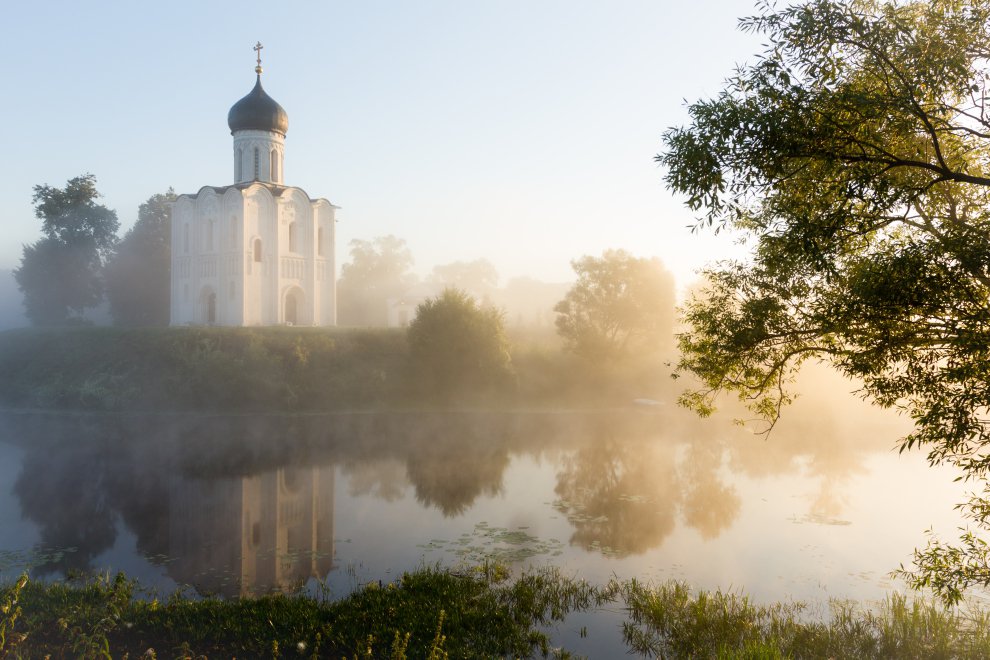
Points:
208	304
294	308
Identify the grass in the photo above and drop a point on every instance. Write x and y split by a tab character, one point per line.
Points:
442	613
430	613
670	621
242	369
276	369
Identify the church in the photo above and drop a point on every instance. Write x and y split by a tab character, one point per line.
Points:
256	252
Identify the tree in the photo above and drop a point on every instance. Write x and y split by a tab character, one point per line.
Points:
854	156
138	276
620	306
457	346
478	277
379	269
62	274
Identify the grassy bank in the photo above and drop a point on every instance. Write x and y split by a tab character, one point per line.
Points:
434	613
201	368
271	369
431	613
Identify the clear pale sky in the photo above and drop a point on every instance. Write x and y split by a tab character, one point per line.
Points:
521	131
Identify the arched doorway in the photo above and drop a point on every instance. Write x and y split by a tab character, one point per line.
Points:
293	307
209	302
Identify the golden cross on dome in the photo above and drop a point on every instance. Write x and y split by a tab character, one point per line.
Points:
257	49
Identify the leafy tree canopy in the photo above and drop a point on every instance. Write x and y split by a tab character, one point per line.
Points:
138	276
58	281
854	155
379	269
457	346
62	274
71	215
620	306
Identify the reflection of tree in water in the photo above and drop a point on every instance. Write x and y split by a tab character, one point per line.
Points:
623	479
383	478
452	480
76	489
827	433
452	459
65	495
710	505
619	496
623	496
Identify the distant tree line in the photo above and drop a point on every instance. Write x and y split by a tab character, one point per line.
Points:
80	263
620	307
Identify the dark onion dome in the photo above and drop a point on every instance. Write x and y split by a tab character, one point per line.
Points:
258	112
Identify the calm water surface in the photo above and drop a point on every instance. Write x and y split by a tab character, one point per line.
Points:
823	507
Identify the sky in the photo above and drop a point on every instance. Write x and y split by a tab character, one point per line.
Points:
518	131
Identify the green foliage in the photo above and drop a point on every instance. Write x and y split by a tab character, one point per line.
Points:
10	612
430	613
277	370
620	307
669	621
71	215
379	269
852	156
475	613
138	277
455	346
210	369
61	275
58	281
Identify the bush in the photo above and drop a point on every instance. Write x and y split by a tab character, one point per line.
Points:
457	347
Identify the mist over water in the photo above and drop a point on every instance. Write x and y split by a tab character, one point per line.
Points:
208	500
242	505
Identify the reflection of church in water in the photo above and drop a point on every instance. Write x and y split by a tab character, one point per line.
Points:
251	535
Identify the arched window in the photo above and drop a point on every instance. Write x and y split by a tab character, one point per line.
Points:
319	241
257	163
239	165
293	238
185	238
209	235
274	166
257	250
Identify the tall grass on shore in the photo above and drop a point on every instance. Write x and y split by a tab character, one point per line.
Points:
429	613
480	612
669	621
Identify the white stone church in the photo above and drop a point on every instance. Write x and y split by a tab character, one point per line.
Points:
256	252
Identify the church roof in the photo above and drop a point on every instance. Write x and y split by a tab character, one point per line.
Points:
258	112
275	189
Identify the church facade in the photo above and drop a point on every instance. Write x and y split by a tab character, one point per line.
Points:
256	252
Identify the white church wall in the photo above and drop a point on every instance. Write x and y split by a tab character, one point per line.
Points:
324	249
255	253
182	231
233	258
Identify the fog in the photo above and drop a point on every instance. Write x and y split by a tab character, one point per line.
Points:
11	307
625	481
